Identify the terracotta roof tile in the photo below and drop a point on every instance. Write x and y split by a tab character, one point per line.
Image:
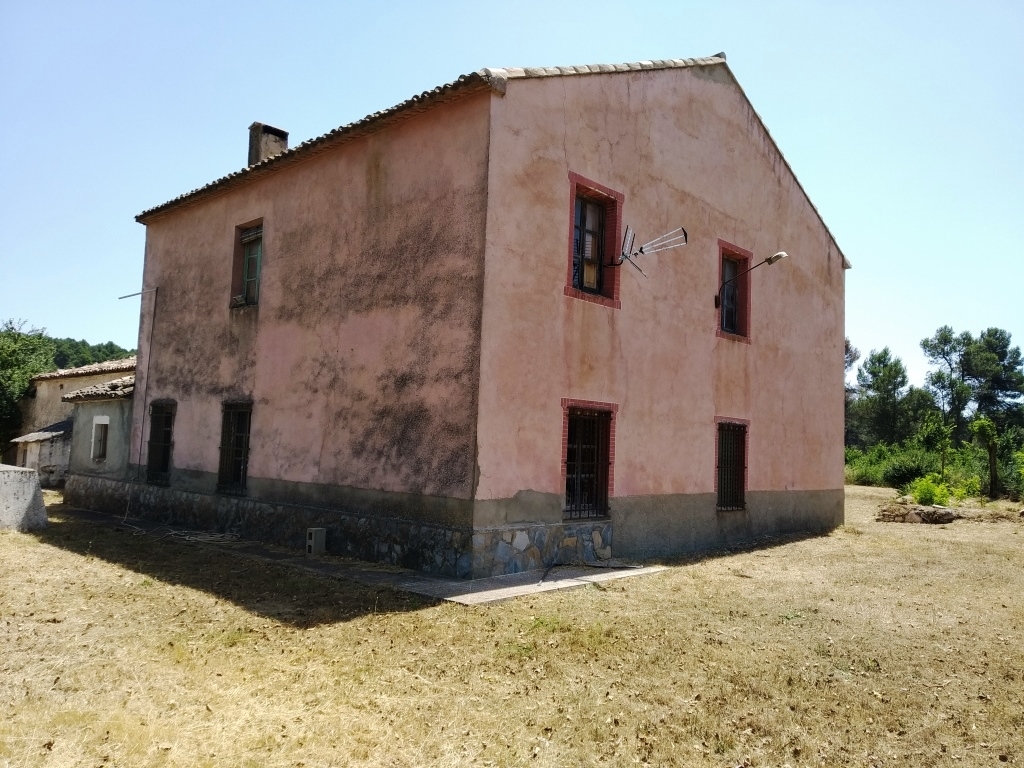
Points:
474	81
110	366
46	433
110	390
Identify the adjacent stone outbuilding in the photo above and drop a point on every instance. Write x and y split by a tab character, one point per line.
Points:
46	417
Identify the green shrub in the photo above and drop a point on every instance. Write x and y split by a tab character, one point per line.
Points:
865	474
907	465
968	488
929	490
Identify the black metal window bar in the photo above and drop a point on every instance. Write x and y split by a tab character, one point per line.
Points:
587	464
732	466
730	296
161	431
234	448
588	245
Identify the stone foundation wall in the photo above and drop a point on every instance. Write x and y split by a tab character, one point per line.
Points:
517	548
441	550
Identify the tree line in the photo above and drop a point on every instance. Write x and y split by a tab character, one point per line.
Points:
25	353
960	434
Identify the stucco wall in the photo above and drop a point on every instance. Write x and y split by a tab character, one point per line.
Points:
361	358
684	148
115	465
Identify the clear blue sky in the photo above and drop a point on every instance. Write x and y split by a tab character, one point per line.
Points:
903	120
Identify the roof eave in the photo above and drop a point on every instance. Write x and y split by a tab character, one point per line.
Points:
465	85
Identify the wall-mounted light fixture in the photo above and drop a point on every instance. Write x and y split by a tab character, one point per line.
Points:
770	260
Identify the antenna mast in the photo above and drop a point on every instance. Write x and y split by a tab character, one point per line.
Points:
674	239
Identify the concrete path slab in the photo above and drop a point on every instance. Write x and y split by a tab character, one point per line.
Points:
475	592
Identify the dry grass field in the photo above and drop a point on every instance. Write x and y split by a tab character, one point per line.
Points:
879	645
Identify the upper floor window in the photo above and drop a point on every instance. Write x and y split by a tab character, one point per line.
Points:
730	296
248	262
588	245
595	224
734	291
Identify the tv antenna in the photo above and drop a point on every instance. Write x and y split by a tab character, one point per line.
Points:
675	239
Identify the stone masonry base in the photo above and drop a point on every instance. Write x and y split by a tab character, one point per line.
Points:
445	551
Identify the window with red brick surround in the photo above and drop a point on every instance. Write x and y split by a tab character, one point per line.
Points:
734	314
588	457
609	207
731	444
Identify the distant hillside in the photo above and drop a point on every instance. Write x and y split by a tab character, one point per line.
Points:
70	353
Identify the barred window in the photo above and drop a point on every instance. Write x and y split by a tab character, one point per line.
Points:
732	465
234	448
587	462
161	443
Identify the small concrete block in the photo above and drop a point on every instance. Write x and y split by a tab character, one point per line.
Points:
316	540
21	500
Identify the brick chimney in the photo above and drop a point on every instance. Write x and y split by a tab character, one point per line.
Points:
265	141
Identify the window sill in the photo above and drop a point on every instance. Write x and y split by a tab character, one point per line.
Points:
731	509
732	336
593	298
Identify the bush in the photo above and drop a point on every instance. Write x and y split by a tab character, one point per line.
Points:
929	490
968	488
907	465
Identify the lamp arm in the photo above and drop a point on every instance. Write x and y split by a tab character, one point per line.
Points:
718	296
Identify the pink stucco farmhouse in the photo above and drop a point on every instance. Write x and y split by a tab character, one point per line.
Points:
417	331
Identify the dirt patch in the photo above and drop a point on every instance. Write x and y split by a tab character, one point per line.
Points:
877	645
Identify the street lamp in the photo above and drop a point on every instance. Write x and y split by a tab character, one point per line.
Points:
770	260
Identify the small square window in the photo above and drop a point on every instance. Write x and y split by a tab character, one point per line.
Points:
732	465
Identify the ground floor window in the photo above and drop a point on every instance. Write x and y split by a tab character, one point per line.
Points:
234	447
161	432
732	465
587	463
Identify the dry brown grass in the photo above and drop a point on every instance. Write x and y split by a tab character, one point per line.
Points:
882	644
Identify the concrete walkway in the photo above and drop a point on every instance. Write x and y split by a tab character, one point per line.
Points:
475	592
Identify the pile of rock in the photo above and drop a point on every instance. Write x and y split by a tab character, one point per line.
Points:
904	510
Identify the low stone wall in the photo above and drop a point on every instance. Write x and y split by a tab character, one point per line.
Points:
21	500
441	550
903	512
